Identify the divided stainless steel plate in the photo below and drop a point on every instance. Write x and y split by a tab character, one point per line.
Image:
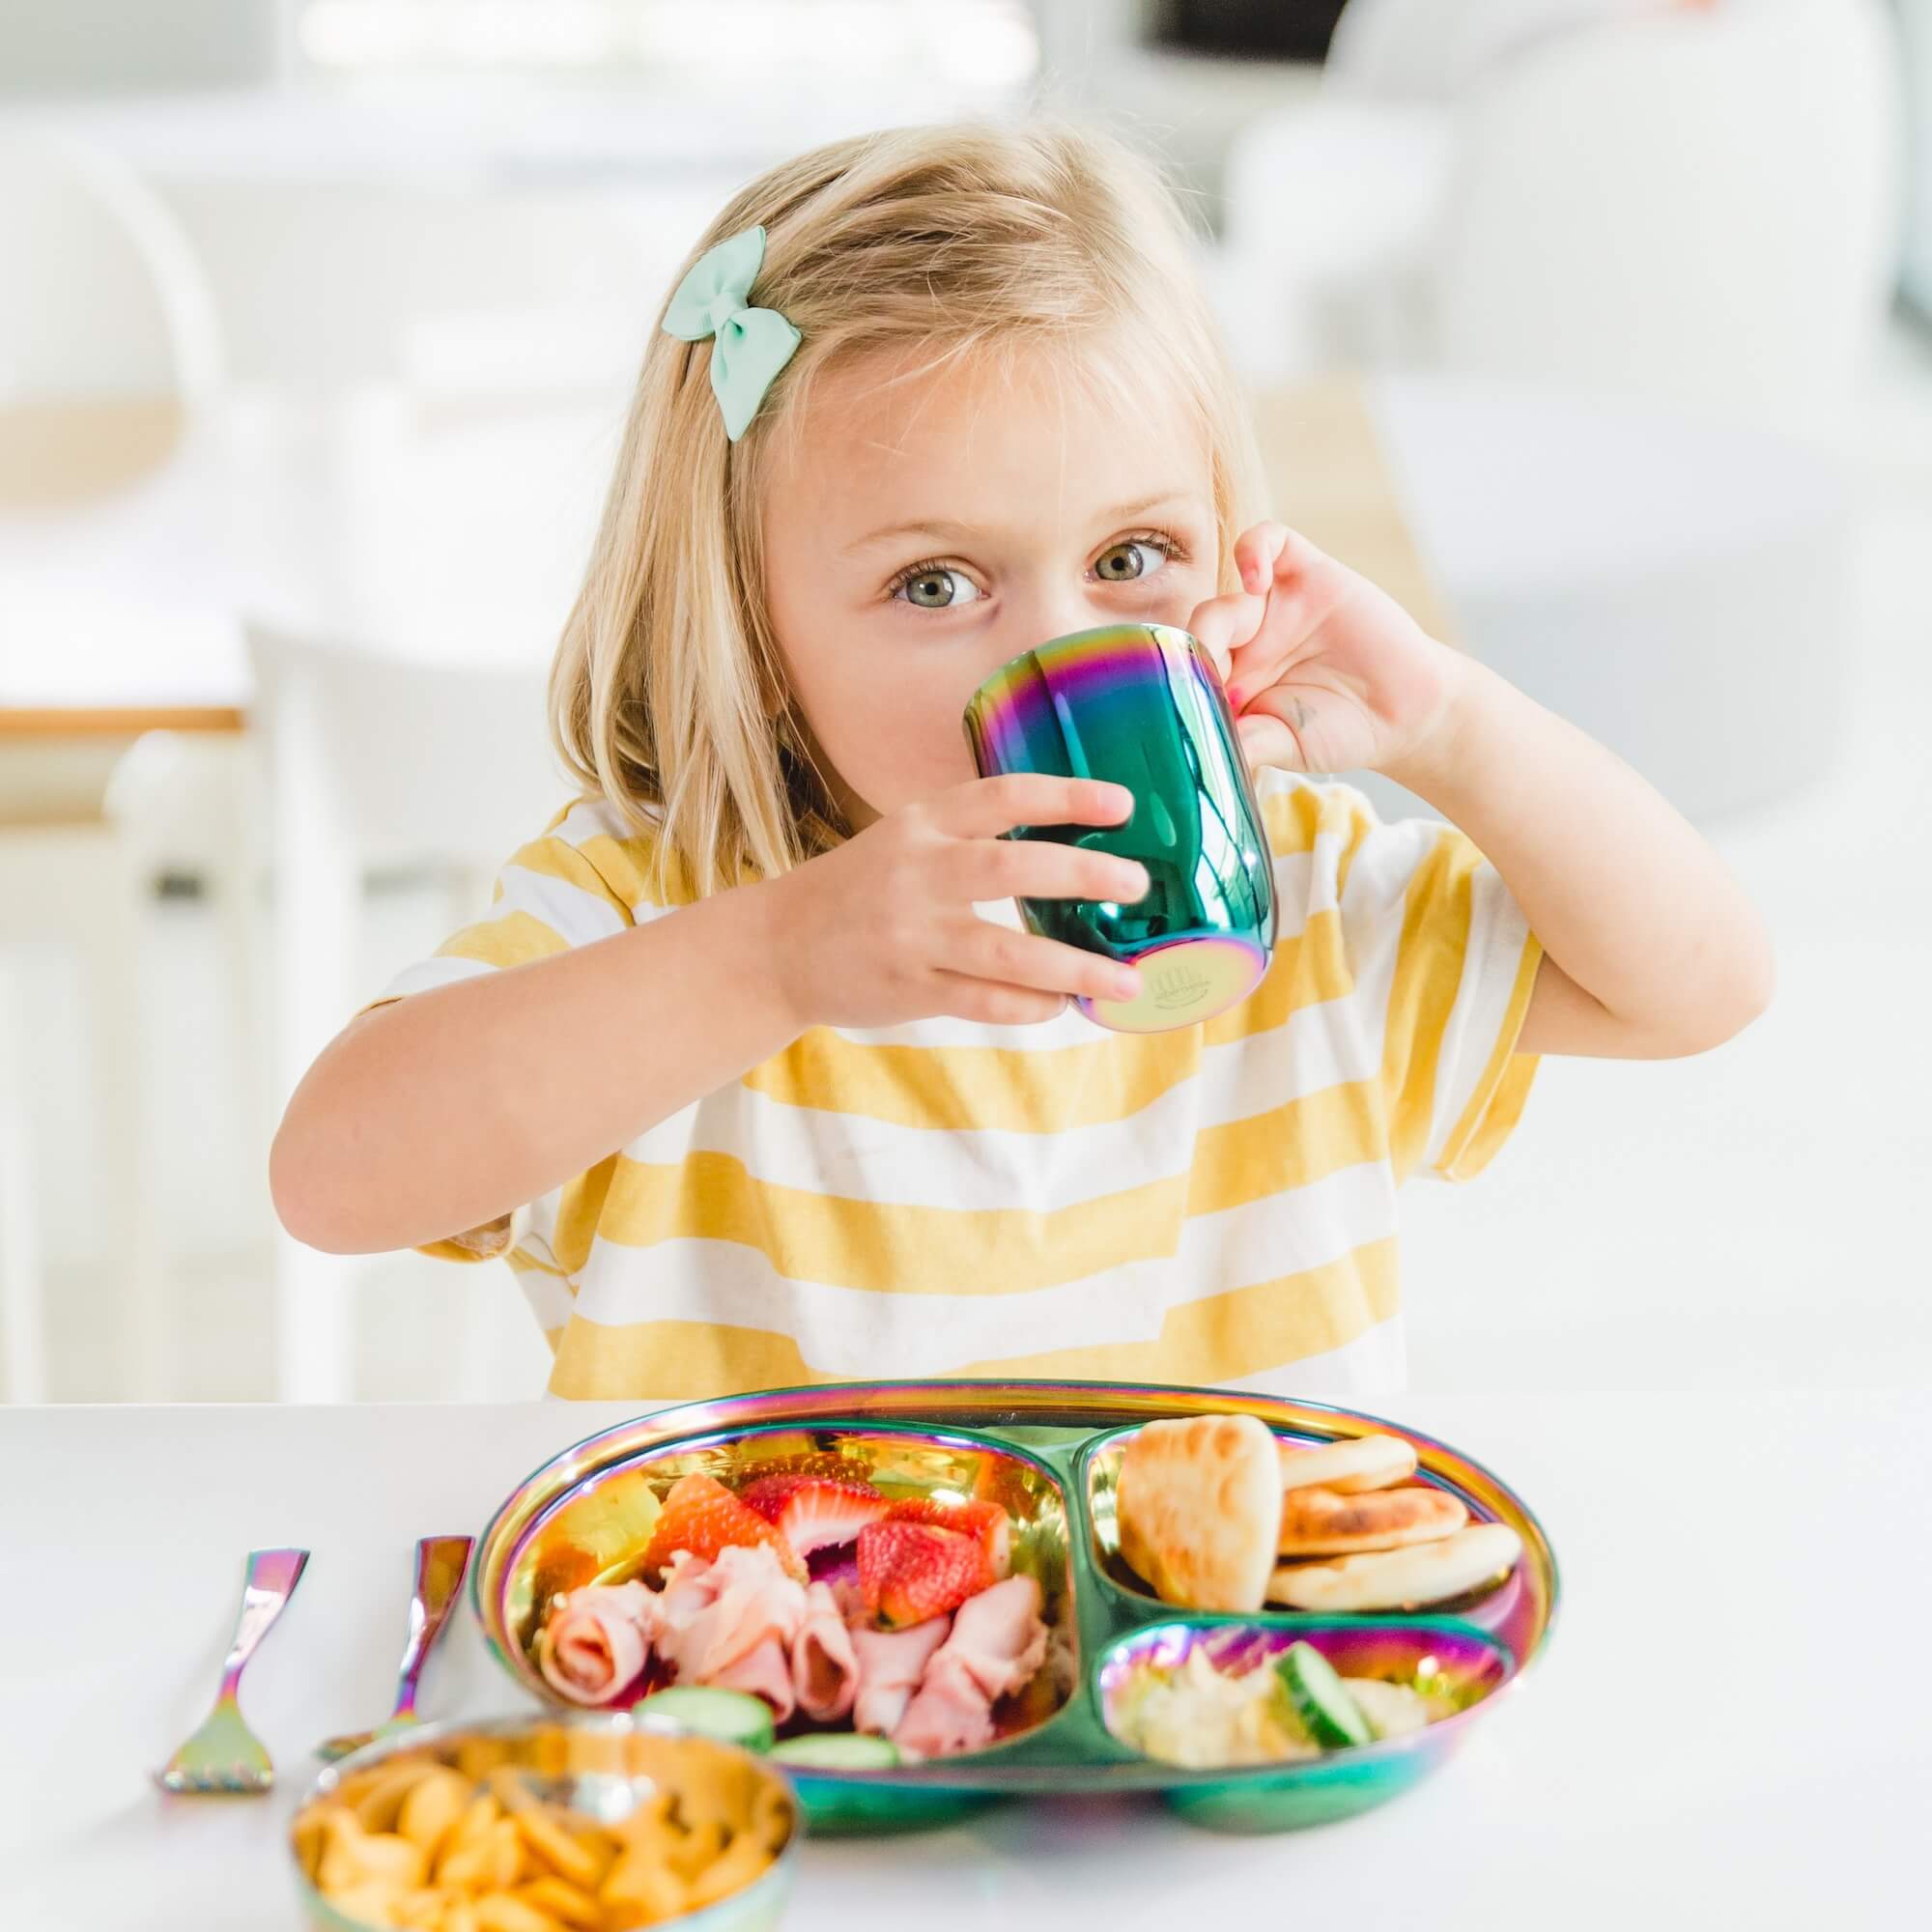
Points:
1050	1452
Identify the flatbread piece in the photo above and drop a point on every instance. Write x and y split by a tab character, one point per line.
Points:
1400	1580
1321	1522
1361	1462
1199	1506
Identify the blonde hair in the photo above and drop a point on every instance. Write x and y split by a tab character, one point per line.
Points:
668	695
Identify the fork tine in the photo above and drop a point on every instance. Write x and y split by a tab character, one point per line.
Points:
223	1755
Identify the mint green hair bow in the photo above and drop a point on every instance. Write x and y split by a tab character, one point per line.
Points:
753	344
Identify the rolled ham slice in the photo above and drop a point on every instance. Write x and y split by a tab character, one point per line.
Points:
998	1636
997	1645
598	1640
765	1670
890	1664
824	1668
949	1713
732	1623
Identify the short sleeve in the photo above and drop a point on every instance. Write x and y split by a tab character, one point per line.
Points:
550	895
1440	963
581	880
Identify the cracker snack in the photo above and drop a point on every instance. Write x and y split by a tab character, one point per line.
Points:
1199	1506
462	1841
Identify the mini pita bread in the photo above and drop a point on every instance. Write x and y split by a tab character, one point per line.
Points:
1361	1462
1320	1522
1199	1505
1401	1579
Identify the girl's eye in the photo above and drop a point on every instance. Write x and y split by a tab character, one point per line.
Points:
928	587
1120	564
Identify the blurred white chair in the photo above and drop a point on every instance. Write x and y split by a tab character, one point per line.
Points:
102	297
376	763
1680	590
23	1340
1699	206
1914	22
1702	209
1330	213
187	808
68	894
109	350
1422	50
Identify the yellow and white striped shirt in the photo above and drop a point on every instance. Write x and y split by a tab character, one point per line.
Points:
1214	1205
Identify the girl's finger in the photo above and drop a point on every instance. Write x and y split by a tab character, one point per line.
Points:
1255	553
1268	741
1223	623
997	952
1291	555
985	807
1301	600
1255	665
1044	869
994	1004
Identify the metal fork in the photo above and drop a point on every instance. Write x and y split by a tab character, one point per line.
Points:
224	1754
440	1563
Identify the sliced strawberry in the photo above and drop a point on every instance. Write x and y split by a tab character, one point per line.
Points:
812	1512
987	1523
702	1516
911	1571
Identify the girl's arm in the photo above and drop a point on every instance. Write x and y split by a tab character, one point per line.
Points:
1650	946
442	1112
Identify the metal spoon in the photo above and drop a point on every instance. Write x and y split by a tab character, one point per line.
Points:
441	1564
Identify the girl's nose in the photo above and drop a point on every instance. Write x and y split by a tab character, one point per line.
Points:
1038	619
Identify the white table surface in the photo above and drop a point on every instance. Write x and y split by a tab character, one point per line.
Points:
1725	1730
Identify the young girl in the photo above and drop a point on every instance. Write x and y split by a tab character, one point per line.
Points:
752	1073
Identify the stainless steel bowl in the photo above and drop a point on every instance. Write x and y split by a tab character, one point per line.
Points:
599	1766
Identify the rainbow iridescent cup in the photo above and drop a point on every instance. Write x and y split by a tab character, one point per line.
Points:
1140	705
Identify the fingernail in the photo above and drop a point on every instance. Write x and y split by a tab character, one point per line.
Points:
1119	798
1135	885
1127	985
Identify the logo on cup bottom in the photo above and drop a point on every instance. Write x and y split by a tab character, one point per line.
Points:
1176	987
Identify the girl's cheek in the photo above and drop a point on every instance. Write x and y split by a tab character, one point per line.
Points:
1173	599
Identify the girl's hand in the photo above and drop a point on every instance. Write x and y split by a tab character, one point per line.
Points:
883	930
1324	672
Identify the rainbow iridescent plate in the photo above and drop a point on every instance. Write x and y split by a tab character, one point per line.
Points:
1050	1452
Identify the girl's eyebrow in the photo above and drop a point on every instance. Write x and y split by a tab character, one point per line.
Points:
942	526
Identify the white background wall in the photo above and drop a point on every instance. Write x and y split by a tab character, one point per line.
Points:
52	48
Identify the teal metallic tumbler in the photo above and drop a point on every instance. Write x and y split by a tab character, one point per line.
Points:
1140	705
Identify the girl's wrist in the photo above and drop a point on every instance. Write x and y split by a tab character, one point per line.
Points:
1439	756
778	985
738	982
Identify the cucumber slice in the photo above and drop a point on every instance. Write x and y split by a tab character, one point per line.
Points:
837	1750
1322	1700
732	1716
